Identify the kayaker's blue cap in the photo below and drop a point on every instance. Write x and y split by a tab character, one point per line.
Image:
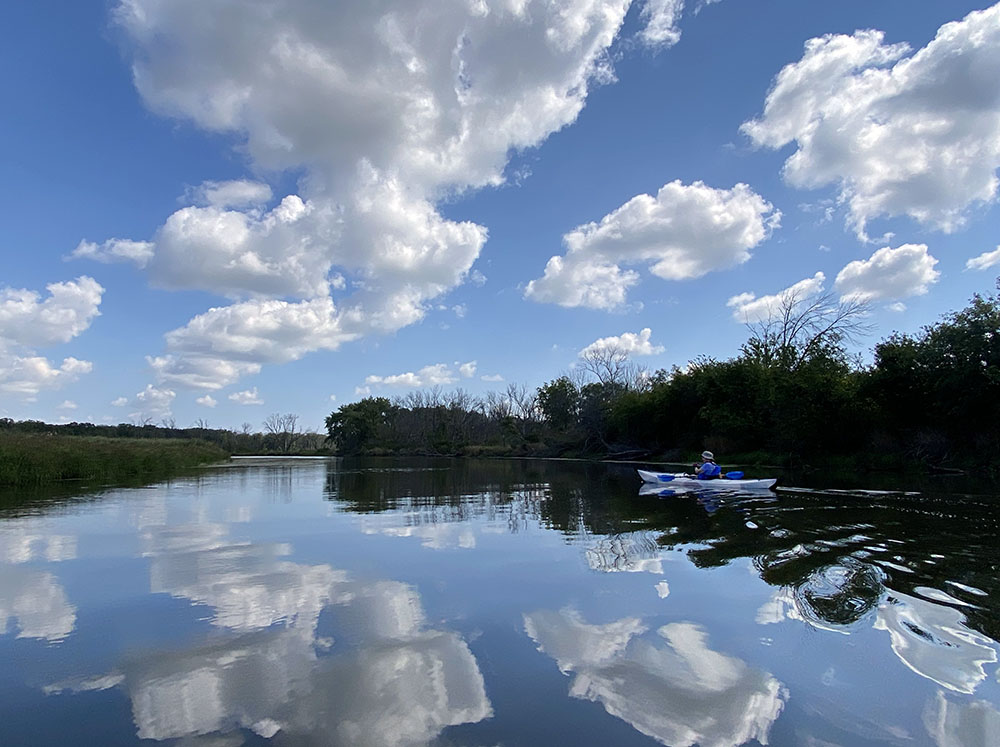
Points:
708	455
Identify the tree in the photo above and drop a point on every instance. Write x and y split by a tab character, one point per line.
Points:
610	364
944	384
283	431
802	326
356	426
559	401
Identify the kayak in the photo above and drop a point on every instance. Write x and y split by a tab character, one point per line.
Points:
680	479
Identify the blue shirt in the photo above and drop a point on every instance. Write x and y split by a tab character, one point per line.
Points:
709	470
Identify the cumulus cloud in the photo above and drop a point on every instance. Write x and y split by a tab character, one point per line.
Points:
384	110
115	250
28	321
152	403
661	18
891	274
897	133
685	231
229	194
218	347
467	370
984	261
207	401
627	343
439	374
748	308
247	397
27	376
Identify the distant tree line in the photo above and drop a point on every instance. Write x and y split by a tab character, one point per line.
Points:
280	434
792	393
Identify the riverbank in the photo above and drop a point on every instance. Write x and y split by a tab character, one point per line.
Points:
44	459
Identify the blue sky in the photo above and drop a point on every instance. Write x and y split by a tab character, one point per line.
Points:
218	211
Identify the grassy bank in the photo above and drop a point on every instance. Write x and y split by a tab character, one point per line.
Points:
30	460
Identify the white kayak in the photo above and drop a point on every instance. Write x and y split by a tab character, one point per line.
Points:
680	479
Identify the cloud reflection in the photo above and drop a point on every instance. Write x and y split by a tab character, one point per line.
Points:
35	603
671	686
394	682
934	642
961	724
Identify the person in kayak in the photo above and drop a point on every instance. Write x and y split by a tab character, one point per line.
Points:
707	469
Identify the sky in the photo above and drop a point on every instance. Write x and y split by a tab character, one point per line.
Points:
215	211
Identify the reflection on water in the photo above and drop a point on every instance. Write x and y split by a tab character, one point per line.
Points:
669	685
403	602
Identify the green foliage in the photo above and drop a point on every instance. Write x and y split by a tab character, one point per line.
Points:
559	401
37	459
361	425
939	392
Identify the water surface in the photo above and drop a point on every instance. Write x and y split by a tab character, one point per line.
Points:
445	602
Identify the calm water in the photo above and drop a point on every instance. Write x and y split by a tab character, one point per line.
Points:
484	603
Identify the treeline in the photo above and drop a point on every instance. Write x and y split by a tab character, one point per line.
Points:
792	393
281	434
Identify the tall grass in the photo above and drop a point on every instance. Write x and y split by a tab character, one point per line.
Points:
41	459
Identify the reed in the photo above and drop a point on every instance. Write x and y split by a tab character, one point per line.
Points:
40	459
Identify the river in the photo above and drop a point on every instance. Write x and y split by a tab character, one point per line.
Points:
466	602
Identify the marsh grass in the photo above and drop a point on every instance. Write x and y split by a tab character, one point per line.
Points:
44	459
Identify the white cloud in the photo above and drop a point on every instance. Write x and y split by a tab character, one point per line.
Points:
247	397
28	321
152	403
242	252
27	376
67	405
898	133
333	397
207	401
748	308
685	231
661	18
467	370
898	307
908	270
236	193
491	378
115	250
984	261
218	347
628	343
439	374
384	109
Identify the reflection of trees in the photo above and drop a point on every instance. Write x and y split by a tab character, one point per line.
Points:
568	497
634	552
841	554
670	686
913	565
